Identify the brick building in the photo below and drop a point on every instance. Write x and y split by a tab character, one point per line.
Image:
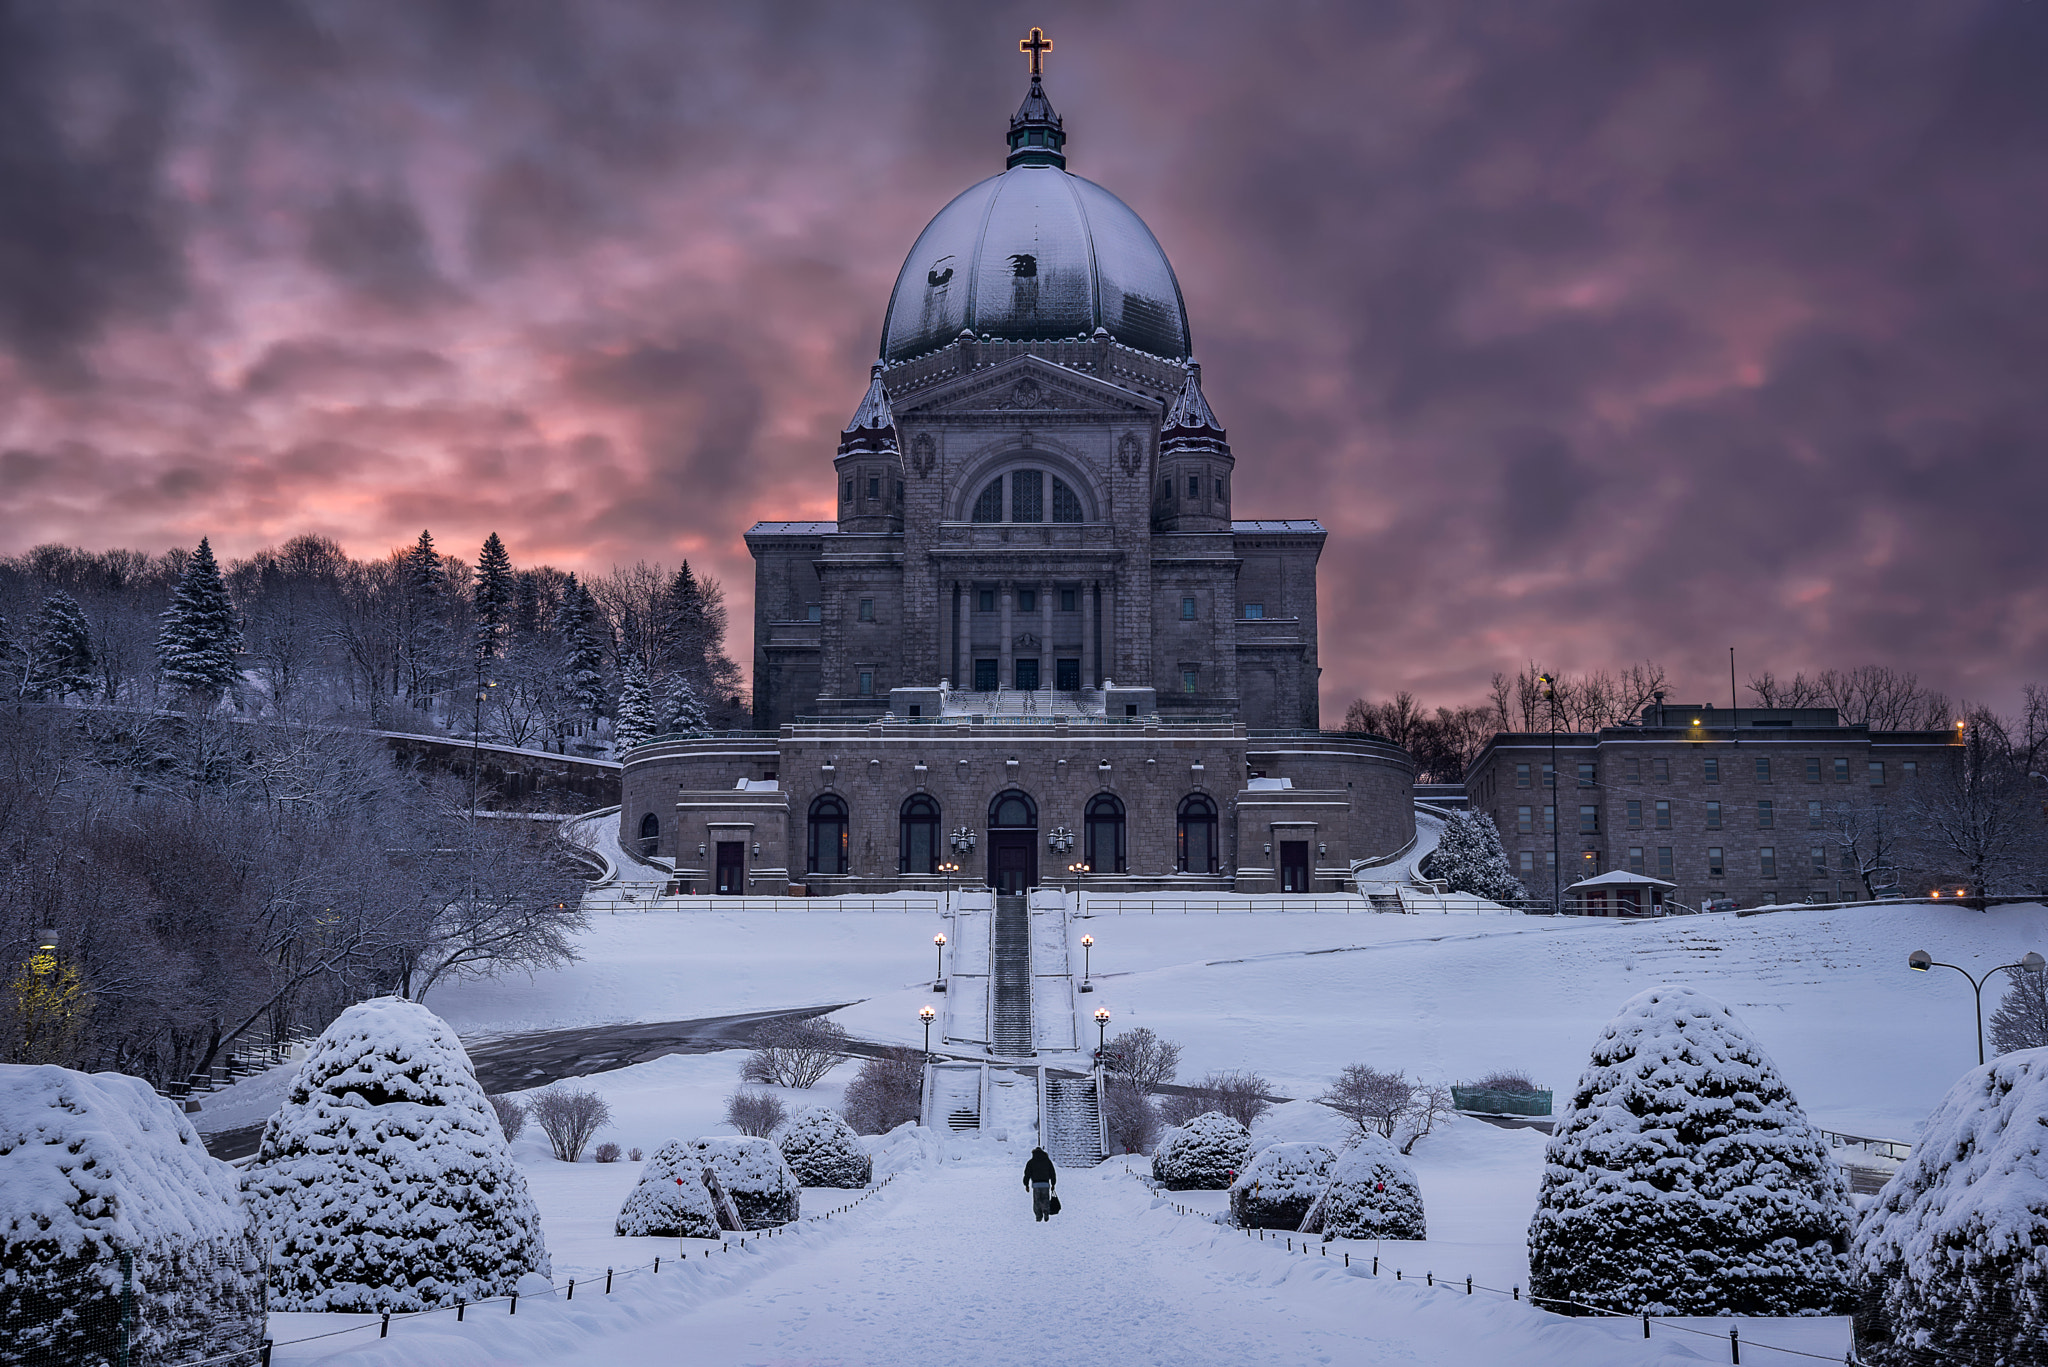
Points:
1743	805
1034	621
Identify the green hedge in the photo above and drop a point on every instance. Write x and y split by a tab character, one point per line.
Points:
1483	1102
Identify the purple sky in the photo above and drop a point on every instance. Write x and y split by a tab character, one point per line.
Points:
1593	332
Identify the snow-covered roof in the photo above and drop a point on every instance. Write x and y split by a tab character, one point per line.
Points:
758	785
1620	878
1268	785
1290	524
793	529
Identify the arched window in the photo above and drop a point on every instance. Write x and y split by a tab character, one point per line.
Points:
1105	832
1066	505
918	843
1027	496
650	833
1196	837
1013	809
989	507
827	844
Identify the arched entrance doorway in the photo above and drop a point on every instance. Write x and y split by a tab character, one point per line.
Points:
1012	842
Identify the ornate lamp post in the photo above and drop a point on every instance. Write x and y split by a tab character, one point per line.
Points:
1087	957
927	1015
1101	1029
1074	872
1920	961
939	943
949	870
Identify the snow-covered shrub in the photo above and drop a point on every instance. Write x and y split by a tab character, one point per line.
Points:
384	1183
1684	1179
670	1201
795	1052
1282	1182
752	1111
93	1166
1512	1080
1373	1193
822	1150
1470	857
568	1119
886	1092
755	1174
1954	1253
511	1116
606	1152
1205	1154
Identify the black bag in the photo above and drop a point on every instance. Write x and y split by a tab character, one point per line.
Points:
1052	1207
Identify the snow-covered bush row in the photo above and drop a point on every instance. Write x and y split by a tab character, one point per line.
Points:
93	1166
1683	1178
1279	1186
670	1200
1954	1253
384	1182
1205	1154
1373	1194
755	1175
822	1150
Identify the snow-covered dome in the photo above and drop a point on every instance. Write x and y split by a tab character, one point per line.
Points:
1036	254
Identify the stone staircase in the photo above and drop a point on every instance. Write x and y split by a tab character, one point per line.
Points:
956	1098
1073	1122
1386	901
1011	1013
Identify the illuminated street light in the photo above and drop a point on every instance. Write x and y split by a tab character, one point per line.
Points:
1087	955
927	1016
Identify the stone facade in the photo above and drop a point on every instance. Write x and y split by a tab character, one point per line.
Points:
1743	806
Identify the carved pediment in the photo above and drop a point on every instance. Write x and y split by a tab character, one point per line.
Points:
1029	387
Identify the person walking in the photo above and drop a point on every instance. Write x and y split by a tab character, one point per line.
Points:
1041	1177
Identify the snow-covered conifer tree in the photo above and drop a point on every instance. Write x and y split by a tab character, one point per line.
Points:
670	1200
1278	1186
1954	1254
384	1182
1683	1178
491	600
756	1175
1470	857
62	659
822	1149
1205	1154
636	706
682	711
583	652
1373	1193
195	651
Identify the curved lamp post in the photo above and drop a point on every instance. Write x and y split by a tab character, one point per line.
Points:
927	1016
1087	960
1920	961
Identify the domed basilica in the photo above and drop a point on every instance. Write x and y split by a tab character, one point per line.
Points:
1035	645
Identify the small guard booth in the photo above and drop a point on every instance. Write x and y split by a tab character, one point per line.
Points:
1620	893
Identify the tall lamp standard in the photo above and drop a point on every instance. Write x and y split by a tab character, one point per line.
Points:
1101	1029
939	943
949	870
1087	957
927	1016
1920	961
1549	686
1074	872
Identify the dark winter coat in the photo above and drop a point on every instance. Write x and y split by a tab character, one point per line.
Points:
1040	1168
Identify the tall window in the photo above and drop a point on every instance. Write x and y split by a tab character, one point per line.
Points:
1767	861
918	836
1663	816
1713	816
1027	496
1814	817
1521	775
1589	820
1635	816
826	848
1841	769
1105	831
1586	776
1713	769
989	507
1195	836
1813	771
1763	769
1765	816
1660	767
650	833
1066	505
1525	821
1877	773
1716	867
1664	862
1635	859
1820	861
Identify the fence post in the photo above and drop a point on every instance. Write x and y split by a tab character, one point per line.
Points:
607	1281
572	1289
515	1304
384	1326
460	1306
263	1354
1734	1346
1646	1324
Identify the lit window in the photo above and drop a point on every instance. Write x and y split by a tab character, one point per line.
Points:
1187	609
1254	611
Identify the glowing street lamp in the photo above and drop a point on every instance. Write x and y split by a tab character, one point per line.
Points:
1920	961
1101	1028
927	1016
1087	957
939	943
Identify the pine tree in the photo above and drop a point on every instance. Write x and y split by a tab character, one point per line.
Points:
195	651
680	637
583	655
682	711
1470	857
635	723
424	627
491	598
62	656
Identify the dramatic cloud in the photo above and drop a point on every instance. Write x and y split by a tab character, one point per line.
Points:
1594	331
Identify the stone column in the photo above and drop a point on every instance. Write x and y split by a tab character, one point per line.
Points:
1112	659
1005	651
1048	667
963	605
1089	679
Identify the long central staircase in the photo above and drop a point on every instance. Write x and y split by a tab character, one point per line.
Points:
1011	1017
1073	1121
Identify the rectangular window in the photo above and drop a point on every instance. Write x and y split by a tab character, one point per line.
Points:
1586	776
1027	600
1634	770
1549	860
1219	490
985	600
1254	612
986	676
1660	768
1521	775
813	612
1194	486
1841	769
1712	769
1528	861
1187	609
1664	862
847	493
1815	820
1765	816
1635	859
1066	600
1549	820
1187	681
1763	769
1767	862
1663	816
874	488
1715	868
867	609
1813	771
1713	816
1525	821
1877	773
1589	820
1549	776
867	683
1635	814
1820	862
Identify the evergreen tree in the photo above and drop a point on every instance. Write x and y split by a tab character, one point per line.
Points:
680	636
583	655
1470	857
635	722
195	651
492	599
62	656
682	711
424	617
526	606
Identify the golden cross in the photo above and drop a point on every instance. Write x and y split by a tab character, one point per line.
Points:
1037	45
